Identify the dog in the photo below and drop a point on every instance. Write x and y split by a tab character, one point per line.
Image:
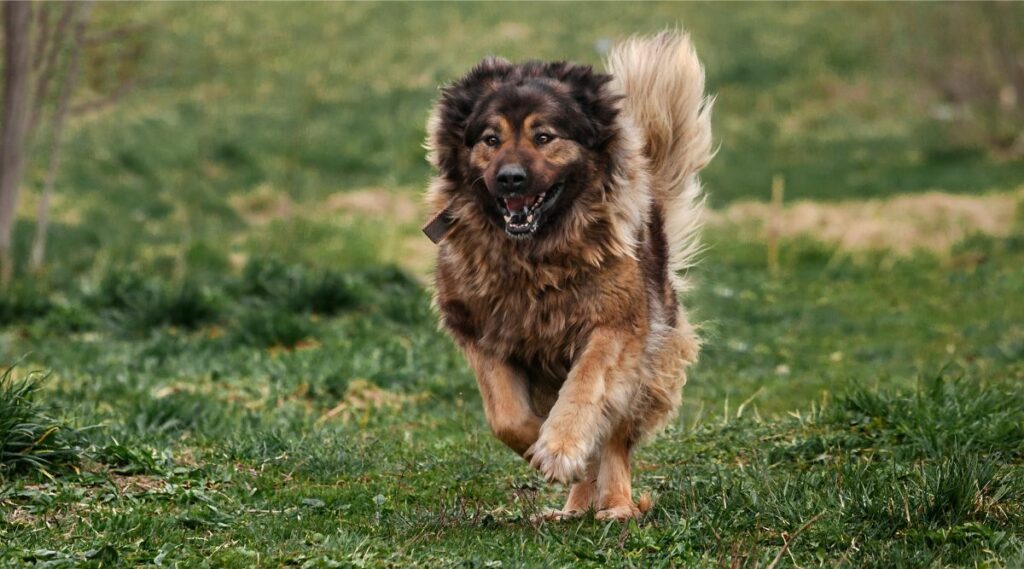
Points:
566	204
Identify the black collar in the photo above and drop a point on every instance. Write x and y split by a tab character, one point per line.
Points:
439	225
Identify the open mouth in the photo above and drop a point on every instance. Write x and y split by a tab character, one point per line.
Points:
523	214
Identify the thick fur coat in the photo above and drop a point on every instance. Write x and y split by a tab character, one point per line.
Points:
573	203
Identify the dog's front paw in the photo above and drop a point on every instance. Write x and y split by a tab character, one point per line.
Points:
551	515
564	461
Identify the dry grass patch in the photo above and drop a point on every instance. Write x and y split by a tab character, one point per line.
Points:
263	205
934	221
397	207
132	484
363	398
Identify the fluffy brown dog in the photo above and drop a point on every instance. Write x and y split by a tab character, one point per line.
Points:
566	202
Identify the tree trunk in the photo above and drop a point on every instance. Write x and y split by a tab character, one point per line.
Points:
38	254
17	106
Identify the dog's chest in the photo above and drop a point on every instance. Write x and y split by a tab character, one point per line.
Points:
532	324
539	313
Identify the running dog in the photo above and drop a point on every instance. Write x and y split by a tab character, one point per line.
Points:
566	203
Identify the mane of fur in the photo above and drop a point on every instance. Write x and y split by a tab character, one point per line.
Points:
663	83
601	225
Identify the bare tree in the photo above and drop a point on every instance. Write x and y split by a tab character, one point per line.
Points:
971	56
38	253
14	131
44	57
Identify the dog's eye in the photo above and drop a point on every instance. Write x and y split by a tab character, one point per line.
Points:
491	140
544	138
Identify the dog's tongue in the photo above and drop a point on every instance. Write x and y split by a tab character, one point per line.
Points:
516	204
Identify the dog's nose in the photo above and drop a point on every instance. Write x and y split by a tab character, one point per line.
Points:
511	178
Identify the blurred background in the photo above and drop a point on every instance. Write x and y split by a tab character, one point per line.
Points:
213	285
250	174
199	135
251	171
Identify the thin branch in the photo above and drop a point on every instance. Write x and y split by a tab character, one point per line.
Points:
118	33
792	538
1002	35
49	65
101	103
43	22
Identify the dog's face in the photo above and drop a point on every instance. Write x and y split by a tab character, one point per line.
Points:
523	158
526	141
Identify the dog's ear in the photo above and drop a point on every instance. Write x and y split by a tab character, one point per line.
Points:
599	104
455	107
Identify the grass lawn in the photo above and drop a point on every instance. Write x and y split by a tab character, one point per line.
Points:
226	366
312	418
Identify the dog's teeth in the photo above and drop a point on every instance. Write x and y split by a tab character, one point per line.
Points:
529	218
508	218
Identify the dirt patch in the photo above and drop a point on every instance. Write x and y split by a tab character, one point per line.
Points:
363	398
137	483
933	221
398	207
263	205
513	31
20	516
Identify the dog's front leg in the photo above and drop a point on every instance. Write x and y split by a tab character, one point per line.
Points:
506	396
596	394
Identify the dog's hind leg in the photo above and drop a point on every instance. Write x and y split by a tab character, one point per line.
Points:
505	392
614	480
581	498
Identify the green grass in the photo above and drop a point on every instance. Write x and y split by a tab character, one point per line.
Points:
853	395
264	387
30	439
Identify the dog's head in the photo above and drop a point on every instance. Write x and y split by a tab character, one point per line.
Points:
525	141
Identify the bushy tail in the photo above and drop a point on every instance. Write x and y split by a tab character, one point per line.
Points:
664	86
645	503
